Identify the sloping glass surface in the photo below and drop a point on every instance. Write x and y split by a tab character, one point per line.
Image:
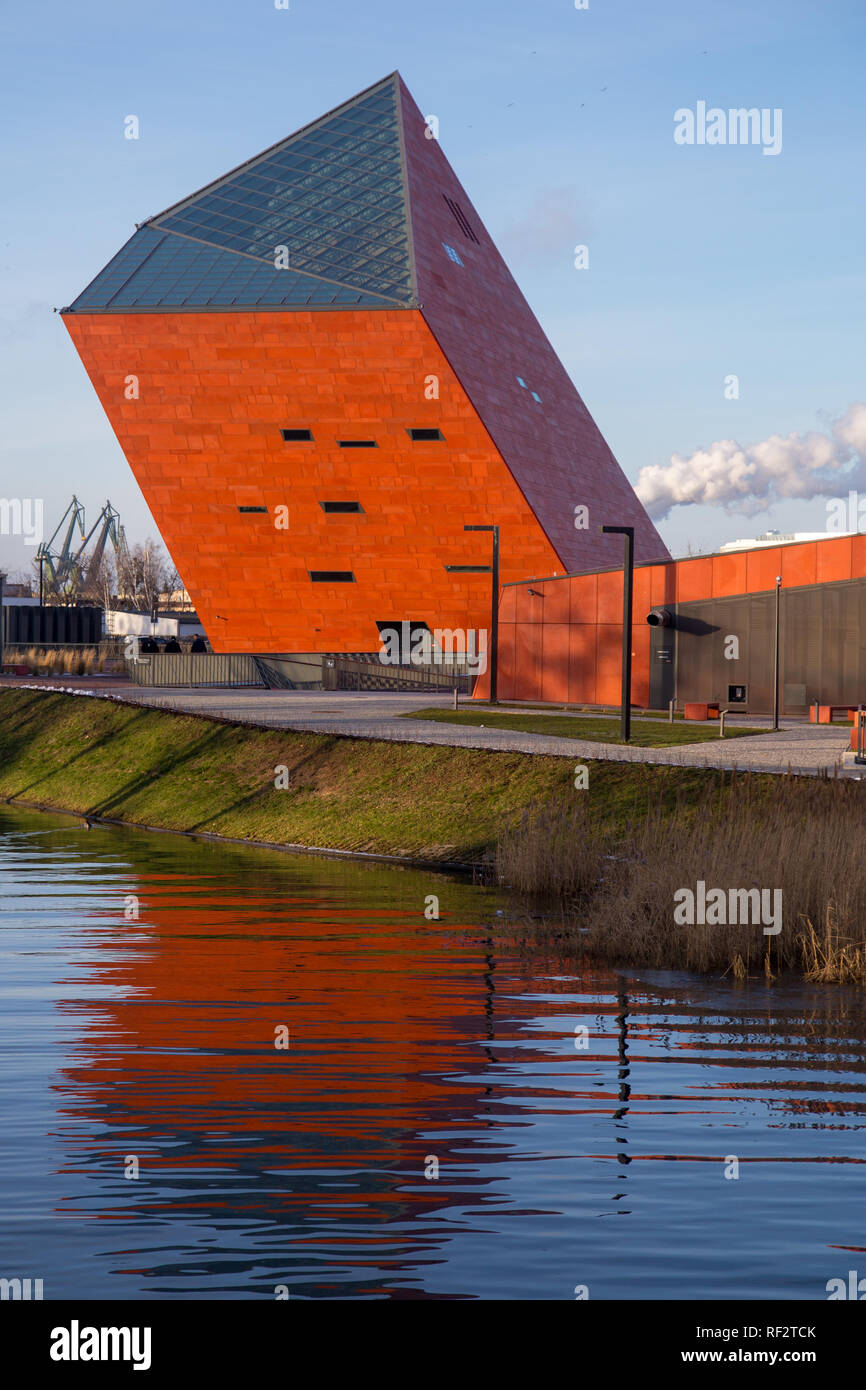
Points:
157	270
332	195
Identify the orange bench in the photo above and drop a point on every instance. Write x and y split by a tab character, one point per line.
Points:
698	711
823	714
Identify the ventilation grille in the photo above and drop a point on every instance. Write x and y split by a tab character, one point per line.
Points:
461	219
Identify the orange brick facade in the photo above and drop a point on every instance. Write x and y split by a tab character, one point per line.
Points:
203	439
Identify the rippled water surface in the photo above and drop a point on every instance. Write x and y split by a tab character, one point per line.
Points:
412	1043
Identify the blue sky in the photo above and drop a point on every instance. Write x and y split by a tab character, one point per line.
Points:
704	261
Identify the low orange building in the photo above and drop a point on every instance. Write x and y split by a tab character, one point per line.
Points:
560	638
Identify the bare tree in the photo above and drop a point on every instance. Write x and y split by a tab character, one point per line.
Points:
102	582
145	575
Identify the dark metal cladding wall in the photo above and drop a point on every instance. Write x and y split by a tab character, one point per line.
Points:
822	648
22	624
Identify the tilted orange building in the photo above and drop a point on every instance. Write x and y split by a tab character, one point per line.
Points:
320	370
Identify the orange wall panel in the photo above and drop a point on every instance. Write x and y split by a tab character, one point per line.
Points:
728	575
858	557
529	654
556	601
834	560
581	664
583	598
608	655
610	597
762	567
798	565
664	584
555	663
694	579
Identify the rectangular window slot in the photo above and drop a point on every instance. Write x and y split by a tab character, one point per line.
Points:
341	506
357	443
253	509
332	576
297	436
420	435
461	219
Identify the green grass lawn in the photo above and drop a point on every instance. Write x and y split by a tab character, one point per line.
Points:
176	771
645	733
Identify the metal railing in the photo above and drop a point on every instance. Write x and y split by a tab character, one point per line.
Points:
342	673
194	668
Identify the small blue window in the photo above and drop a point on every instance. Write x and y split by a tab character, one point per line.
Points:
521	382
536	397
452	254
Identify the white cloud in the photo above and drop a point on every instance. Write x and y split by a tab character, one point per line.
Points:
753	478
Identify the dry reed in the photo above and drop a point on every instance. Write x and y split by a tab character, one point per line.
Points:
614	896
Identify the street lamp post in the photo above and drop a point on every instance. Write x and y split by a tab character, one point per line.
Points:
494	608
492	570
627	596
776	658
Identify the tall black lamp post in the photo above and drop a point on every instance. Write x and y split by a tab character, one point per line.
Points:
776	667
627	597
494	601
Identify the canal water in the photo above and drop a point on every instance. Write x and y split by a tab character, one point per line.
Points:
280	1078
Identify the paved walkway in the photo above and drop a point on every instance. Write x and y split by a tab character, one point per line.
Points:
804	748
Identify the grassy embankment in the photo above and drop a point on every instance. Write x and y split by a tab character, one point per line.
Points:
645	733
604	863
181	772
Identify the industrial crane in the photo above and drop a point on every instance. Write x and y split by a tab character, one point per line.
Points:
73	572
61	564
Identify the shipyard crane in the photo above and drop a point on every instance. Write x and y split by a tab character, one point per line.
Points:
111	529
71	571
61	564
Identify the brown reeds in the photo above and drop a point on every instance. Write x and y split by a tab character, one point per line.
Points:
66	661
614	895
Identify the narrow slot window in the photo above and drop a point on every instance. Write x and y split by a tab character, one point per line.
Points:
422	435
297	436
341	507
357	443
332	576
253	509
